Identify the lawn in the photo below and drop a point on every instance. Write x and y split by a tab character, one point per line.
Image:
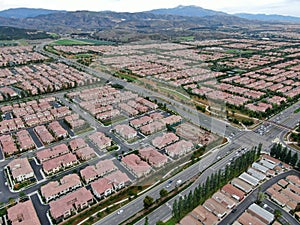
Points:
125	76
97	42
170	222
84	55
175	93
113	120
297	110
70	42
187	38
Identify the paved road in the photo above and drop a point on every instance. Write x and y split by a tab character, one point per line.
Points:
285	215
40	209
215	125
164	212
231	217
242	138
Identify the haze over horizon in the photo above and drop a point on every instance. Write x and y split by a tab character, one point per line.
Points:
282	7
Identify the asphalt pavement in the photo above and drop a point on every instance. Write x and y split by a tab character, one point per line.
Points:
287	217
242	138
41	209
244	205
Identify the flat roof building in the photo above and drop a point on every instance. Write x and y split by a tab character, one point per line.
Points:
255	173
260	168
233	192
223	200
204	216
262	214
215	207
247	219
249	179
242	185
267	164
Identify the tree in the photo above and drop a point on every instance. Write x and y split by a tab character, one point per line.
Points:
148	201
160	223
22	194
284	154
260	197
163	193
259	150
298	165
175	210
288	157
273	151
294	159
99	214
277	214
146	221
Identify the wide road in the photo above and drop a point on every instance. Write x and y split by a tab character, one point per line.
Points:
243	139
220	156
233	216
201	166
289	118
217	126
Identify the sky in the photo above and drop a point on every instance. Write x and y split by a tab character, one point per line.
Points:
283	7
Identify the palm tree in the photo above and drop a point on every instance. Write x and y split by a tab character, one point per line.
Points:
277	214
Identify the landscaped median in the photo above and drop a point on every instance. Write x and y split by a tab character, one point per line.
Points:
213	183
105	207
99	211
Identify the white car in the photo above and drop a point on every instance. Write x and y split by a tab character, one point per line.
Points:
178	182
120	211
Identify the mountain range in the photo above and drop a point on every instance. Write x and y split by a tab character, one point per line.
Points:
191	11
162	24
145	22
272	17
26	12
13	33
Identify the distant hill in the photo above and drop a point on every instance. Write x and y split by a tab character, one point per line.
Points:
90	21
195	11
25	12
270	18
193	22
13	33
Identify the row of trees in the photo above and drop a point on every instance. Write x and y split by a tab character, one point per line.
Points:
204	191
285	155
296	137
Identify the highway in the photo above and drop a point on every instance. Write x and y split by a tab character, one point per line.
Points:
210	164
288	119
242	139
217	126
